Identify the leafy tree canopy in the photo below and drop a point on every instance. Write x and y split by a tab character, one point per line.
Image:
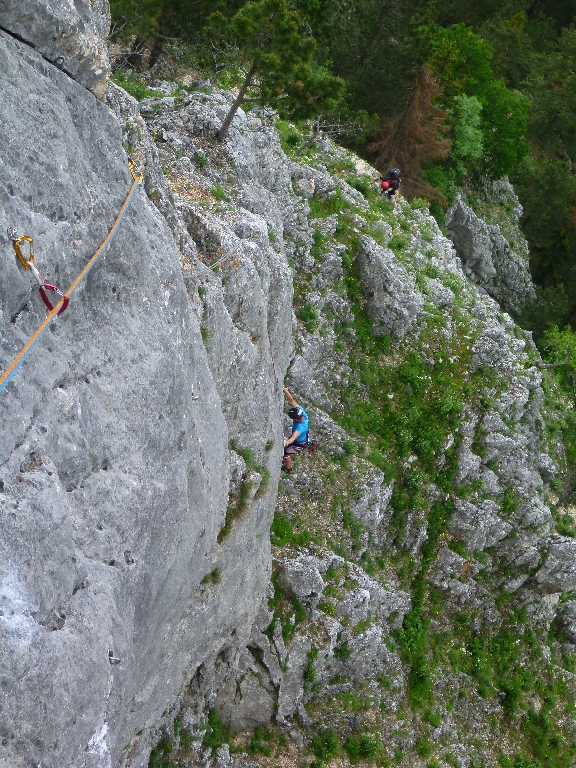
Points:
462	61
276	50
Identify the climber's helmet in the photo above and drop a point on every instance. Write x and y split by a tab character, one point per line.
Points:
296	413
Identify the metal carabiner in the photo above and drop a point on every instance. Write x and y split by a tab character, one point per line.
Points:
29	264
26	263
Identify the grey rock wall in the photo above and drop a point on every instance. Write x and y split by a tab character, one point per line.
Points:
115	469
71	33
392	301
488	256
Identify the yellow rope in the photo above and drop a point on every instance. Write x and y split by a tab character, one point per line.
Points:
19	359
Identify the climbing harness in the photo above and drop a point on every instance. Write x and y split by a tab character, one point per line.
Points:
60	306
216	263
28	263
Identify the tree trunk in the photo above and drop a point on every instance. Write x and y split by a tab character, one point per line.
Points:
157	49
134	58
551	365
221	135
312	139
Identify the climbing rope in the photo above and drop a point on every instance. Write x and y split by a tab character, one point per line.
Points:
216	263
61	305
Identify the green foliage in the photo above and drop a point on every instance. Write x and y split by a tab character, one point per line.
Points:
289	611
468	137
309	316
508	502
214	577
219	192
362	184
160	755
201	160
423	746
318	245
216	732
260	741
518	761
326	745
133	85
237	507
282	533
433	718
366	747
321	208
560	348
277	50
250	460
310	673
290	138
496	121
342	651
131	18
354	526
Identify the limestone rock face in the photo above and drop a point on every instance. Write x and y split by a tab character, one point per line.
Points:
75	30
115	470
479	527
558	574
301	580
488	255
392	300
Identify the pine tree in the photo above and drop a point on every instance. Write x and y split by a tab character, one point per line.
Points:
414	138
277	56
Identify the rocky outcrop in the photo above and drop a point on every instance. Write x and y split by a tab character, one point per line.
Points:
114	460
71	34
392	301
141	448
489	257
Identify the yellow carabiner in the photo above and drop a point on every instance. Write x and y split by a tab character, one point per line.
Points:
136	175
16	244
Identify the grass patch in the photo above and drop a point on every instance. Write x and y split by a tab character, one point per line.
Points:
309	315
214	577
131	83
216	732
282	533
365	747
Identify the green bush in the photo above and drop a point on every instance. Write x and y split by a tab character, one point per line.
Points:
365	747
282	533
216	732
309	316
433	718
219	192
132	85
342	651
326	745
362	184
159	757
259	743
423	746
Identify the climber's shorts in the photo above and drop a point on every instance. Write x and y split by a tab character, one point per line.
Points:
291	449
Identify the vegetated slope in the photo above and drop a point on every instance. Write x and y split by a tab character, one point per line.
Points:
419	587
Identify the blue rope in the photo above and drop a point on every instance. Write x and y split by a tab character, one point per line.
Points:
219	261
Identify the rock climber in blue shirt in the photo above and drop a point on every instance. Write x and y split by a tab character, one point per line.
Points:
299	437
